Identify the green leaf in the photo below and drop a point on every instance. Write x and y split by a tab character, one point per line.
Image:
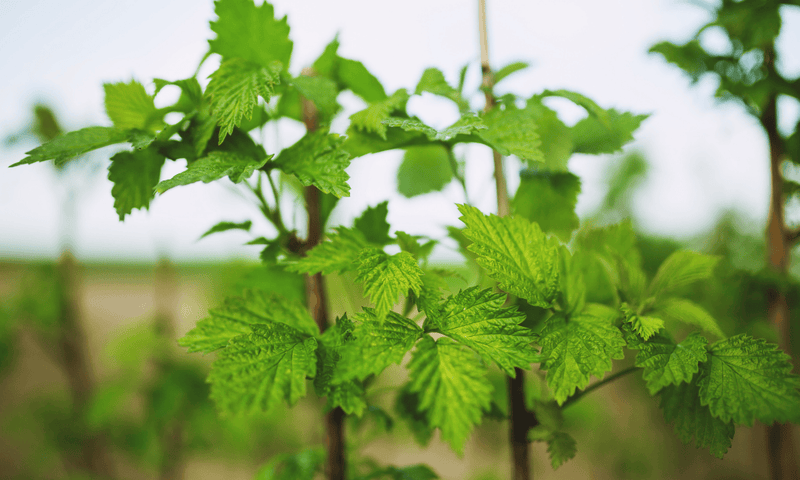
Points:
593	136
349	396
561	447
582	101
129	106
72	144
250	32
321	91
514	252
360	143
452	386
237	316
680	269
464	126
508	70
747	378
134	175
215	165
328	61
433	81
575	350
682	406
413	472
318	159
646	327
383	341
407	408
234	90
225	226
372	223
387	277
513	131
666	363
556	143
355	76
339	253
477	318
425	169
371	118
298	466
549	200
191	91
688	312
257	370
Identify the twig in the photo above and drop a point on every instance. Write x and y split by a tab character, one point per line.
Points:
597	385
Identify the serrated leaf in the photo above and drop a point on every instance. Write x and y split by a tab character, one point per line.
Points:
556	144
72	144
433	81
688	312
318	159
574	350
680	269
339	253
561	447
360	143
234	90
477	318
250	32
592	136
371	118
645	326
214	166
386	277
321	91
425	169
237	316
666	363
464	126
516	253
134	175
383	341
682	406
349	396
258	370
582	101
225	226
355	76
747	378
452	386
373	225
513	131
549	200
509	69
129	106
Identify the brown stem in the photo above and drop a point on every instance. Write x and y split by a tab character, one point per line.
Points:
520	418
780	442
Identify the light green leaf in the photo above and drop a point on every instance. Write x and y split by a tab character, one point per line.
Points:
452	386
513	131
129	106
387	277
372	223
508	70
575	350
318	159
593	136
582	101
191	91
682	406
72	144
688	312
433	81
360	143
214	166
556	143
412	472
225	226
680	269
561	447
298	466
237	316
425	169
477	318
321	91
666	363
516	253
251	33
371	118
257	370
339	253
646	327
234	90
549	200
747	378
134	175
349	396
464	126
355	76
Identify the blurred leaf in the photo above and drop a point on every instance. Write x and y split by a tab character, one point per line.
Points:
371	118
134	175
372	223
424	169
681	269
561	447
299	466
130	107
355	76
433	81
321	91
549	200
225	226
592	136
508	70
251	33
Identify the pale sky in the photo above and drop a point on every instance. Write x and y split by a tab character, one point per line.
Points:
706	157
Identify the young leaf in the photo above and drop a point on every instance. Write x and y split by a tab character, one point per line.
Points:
476	318
514	252
339	253
129	106
666	363
260	369
383	341
371	118
592	136
513	131
682	406
134	175
234	90
349	396
321	91
574	350
318	159
425	169
387	277
71	144
549	200
561	447
372	223
508	70
237	316
646	327
225	226
452	387
680	269
433	81
251	33
217	164
688	312
747	378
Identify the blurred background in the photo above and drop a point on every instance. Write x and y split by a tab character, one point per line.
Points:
697	176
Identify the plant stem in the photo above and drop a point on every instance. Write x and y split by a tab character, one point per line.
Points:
571	400
520	418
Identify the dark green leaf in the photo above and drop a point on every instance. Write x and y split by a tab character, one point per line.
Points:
372	223
682	406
